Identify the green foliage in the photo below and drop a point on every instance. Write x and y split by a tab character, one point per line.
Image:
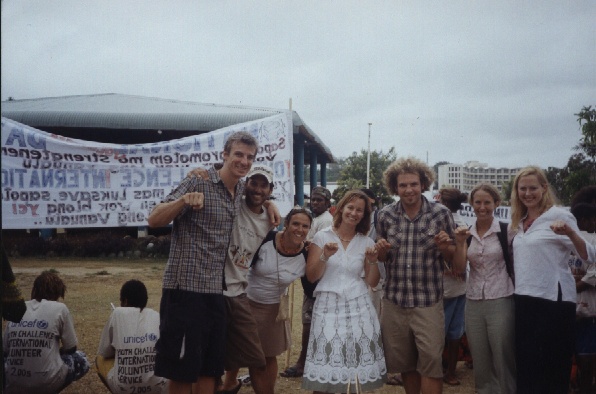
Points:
506	189
566	181
587	122
353	173
580	170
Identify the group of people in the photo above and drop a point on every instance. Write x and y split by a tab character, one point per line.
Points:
228	273
520	312
224	298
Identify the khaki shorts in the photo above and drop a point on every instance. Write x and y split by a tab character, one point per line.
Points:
413	338
243	346
275	336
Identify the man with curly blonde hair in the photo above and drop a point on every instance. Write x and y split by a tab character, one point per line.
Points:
412	318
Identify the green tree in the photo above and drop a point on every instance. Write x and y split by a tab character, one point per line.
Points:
566	181
587	143
587	122
506	189
353	173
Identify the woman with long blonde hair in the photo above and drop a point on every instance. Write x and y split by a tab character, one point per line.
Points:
545	294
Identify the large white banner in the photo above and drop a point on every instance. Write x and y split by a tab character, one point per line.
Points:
50	181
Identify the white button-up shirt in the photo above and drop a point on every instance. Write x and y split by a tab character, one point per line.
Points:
541	258
343	270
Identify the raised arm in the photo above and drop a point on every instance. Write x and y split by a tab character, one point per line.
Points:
460	256
317	258
371	266
164	213
383	247
585	251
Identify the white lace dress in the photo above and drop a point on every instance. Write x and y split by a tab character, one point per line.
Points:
345	337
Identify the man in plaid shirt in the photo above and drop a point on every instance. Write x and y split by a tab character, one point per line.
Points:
412	318
193	321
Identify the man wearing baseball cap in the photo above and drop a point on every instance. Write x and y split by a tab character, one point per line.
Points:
243	346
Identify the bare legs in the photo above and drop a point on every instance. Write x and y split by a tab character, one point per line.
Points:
205	384
452	356
263	379
416	384
230	381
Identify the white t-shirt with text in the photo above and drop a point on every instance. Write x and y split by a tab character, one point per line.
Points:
33	346
129	337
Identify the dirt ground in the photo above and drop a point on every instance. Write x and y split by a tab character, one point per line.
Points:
92	284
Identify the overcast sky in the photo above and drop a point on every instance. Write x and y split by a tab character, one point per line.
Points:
493	81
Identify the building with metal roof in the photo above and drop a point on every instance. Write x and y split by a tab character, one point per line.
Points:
127	119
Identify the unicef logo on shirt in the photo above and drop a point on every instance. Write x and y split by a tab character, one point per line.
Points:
142	339
42	324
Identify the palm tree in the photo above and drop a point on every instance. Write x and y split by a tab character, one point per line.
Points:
587	122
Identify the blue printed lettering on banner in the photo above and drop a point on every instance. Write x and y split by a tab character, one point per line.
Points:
151	177
68	179
77	220
34	140
49	180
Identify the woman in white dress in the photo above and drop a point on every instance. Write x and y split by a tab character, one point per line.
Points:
345	346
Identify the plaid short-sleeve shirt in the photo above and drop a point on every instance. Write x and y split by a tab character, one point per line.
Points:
200	238
414	264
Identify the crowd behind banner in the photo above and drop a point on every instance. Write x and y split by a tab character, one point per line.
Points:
51	181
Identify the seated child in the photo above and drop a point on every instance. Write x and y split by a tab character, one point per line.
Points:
40	351
126	354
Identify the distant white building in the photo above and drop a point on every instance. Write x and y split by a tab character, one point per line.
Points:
465	177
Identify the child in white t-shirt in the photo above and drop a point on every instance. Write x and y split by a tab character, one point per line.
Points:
40	351
126	354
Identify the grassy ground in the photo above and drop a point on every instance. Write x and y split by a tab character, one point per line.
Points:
93	283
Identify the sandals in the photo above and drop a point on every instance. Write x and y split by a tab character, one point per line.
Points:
451	380
232	391
244	380
292	372
394	380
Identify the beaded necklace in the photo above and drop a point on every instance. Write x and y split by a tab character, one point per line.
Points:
283	249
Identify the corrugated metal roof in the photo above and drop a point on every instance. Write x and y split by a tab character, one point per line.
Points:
120	111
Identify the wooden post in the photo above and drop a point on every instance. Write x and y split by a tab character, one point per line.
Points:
289	351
